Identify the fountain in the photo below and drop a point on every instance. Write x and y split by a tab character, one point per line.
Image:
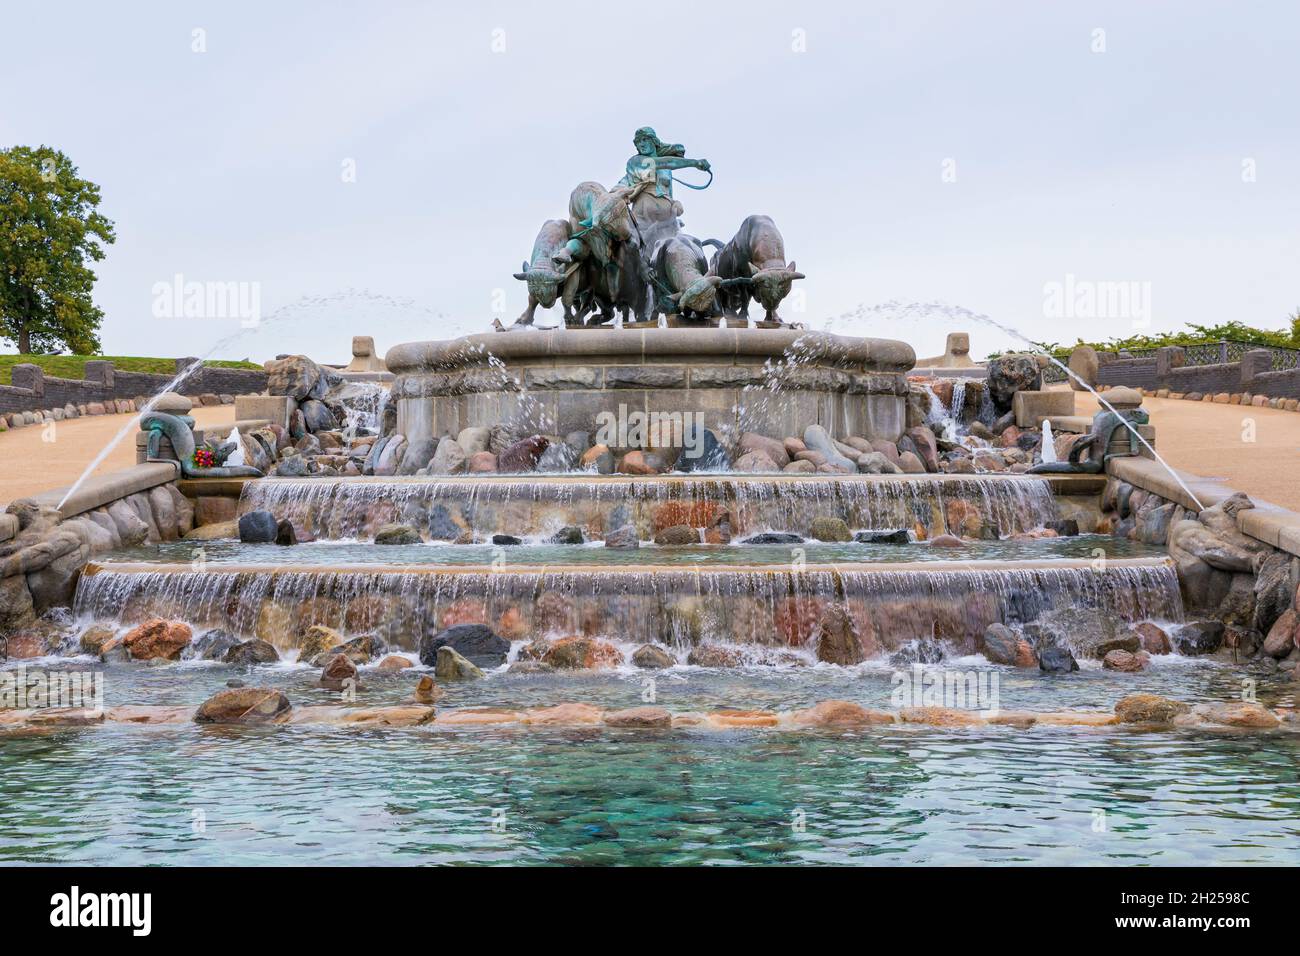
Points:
777	522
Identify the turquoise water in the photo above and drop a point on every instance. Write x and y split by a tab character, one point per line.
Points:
304	795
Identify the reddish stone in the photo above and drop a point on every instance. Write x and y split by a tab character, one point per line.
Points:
634	463
523	454
157	638
581	653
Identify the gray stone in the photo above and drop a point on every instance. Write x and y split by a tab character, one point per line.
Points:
1198	637
818	439
652	657
645	376
257	527
897	536
569	534
451	666
451	458
774	537
248	653
419	454
624	537
442	526
397	534
473	440
476	643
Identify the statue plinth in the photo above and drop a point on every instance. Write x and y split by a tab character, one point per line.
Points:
772	381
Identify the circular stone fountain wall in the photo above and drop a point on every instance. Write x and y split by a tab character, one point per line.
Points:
772	381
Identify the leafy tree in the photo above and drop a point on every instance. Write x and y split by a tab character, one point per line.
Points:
50	232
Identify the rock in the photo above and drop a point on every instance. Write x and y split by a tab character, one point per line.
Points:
946	541
1273	590
359	650
258	527
157	639
910	464
772	449
819	440
715	655
1001	645
442	526
474	440
397	534
94	637
1085	364
390	456
506	540
1148	709
1010	374
296	376
427	692
1066	527
1152	639
317	417
316	641
1097	646
840	713
636	463
926	448
581	653
558	457
1199	637
477	643
1281	639
703	452
677	535
482	463
522	456
652	657
244	705
774	537
213	644
449	459
393	662
798	467
1055	659
838	640
899	536
338	673
756	462
597	458
1239	714
569	534
285	535
1126	661
248	653
624	537
451	666
826	528
639	717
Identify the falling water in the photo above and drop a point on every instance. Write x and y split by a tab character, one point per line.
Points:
338	508
743	605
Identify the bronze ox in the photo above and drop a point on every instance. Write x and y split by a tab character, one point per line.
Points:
545	280
686	286
757	253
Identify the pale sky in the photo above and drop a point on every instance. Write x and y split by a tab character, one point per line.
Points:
971	153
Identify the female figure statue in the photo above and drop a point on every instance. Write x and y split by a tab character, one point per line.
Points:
656	210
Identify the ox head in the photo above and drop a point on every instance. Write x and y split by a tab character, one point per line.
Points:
770	286
543	284
700	295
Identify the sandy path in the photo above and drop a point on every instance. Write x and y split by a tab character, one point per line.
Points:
29	463
1214	441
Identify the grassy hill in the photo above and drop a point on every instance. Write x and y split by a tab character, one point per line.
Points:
74	366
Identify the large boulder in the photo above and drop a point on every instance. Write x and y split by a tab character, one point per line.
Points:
1002	645
317	416
1282	636
296	376
1010	374
475	642
581	653
838	640
338	673
1148	709
819	440
213	644
258	527
450	666
652	657
706	454
1085	364
450	458
774	450
244	705
828	528
397	534
158	639
1199	637
522	455
251	652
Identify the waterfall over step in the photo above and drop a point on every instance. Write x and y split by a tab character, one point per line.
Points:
333	508
894	603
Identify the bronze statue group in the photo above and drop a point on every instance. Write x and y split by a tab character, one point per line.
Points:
621	253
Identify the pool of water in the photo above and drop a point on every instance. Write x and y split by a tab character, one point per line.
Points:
319	795
336	553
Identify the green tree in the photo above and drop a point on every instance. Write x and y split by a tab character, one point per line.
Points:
50	232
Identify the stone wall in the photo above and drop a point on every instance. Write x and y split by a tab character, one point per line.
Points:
44	547
32	390
1238	561
1167	369
775	382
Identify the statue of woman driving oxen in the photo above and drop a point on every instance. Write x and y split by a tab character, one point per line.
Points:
655	210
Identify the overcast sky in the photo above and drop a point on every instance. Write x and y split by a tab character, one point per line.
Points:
964	152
